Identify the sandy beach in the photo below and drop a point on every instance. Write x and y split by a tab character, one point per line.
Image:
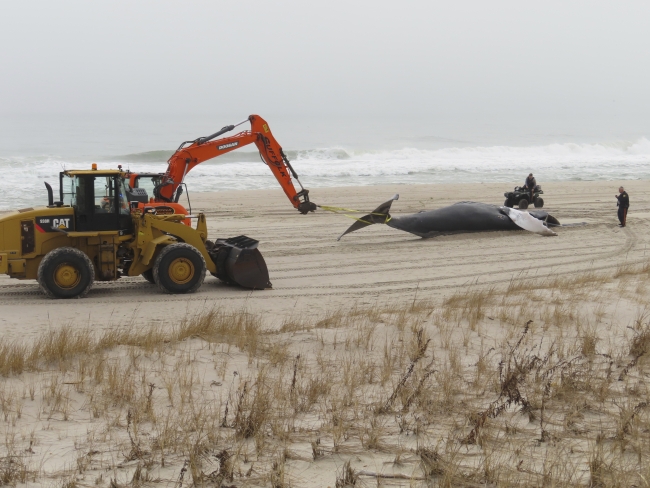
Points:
383	359
311	272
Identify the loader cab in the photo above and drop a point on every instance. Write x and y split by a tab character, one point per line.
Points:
99	199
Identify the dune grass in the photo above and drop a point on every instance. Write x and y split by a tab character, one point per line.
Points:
537	383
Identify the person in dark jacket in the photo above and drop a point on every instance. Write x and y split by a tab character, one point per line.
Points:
530	185
623	204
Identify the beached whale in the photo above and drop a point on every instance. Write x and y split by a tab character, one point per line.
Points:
459	218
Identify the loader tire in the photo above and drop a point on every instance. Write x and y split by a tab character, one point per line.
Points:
148	275
66	272
179	268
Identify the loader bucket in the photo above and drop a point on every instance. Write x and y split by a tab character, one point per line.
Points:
239	262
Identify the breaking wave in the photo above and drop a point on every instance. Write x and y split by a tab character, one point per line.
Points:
338	166
232	157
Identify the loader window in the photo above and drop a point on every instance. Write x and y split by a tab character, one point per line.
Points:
73	191
109	195
87	194
121	195
104	195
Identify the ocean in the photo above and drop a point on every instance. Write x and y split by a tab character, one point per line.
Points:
327	151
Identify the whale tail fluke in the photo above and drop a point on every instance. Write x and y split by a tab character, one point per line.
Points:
380	215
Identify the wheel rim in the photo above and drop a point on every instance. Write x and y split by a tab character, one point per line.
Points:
181	271
66	276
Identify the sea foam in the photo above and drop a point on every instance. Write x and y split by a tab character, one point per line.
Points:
339	166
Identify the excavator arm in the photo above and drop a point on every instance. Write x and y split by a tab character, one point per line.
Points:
192	153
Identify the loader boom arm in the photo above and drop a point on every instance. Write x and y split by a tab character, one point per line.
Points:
205	148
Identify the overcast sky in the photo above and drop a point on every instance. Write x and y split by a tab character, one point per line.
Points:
578	58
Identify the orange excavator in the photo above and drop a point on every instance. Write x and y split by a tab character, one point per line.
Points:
167	187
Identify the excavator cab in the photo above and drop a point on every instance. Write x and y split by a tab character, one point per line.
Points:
146	183
144	189
99	200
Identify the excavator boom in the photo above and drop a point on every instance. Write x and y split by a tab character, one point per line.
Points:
192	153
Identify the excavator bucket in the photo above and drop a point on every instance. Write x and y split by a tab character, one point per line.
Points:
239	262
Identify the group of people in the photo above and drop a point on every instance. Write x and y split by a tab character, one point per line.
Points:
623	199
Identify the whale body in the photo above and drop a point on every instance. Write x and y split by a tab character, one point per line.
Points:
459	218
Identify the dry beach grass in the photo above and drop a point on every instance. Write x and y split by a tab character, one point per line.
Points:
527	384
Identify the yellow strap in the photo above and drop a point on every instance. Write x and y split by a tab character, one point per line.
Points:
337	209
341	210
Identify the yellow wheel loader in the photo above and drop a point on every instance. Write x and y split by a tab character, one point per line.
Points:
94	233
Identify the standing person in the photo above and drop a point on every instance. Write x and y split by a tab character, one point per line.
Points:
623	204
530	184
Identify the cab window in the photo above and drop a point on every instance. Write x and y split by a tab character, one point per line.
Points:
108	194
72	190
105	195
121	195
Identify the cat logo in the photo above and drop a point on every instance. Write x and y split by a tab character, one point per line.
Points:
61	223
265	127
54	223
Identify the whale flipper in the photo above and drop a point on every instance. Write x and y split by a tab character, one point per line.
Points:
527	222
